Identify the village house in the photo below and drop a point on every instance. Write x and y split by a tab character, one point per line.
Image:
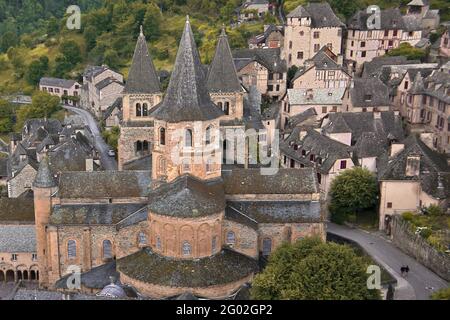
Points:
366	95
428	106
415	177
194	216
68	90
101	87
440	50
420	10
308	148
323	100
272	37
323	70
369	133
264	69
365	42
308	29
253	9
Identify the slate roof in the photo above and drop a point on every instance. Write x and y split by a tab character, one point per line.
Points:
412	23
301	118
319	145
17	239
142	77
17	210
359	122
324	59
51	126
433	168
371	144
93	214
391	19
233	214
134	218
187	97
260	38
437	85
68	156
222	76
188	196
96	278
316	96
55	82
104	184
280	211
3	167
141	164
269	58
285	181
106	82
321	15
369	92
224	267
44	177
117	104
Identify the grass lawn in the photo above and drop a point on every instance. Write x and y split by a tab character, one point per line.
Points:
5	137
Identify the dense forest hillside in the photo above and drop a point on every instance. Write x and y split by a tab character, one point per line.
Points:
35	42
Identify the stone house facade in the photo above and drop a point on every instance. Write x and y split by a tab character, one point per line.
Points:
64	89
272	37
366	95
308	29
253	9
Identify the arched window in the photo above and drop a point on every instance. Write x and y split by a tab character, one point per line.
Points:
158	243
145	110
107	249
162	136
267	247
142	238
188	138
139	146
162	165
208	135
187	249
145	145
214	244
231	237
220	105
138	110
226	108
71	249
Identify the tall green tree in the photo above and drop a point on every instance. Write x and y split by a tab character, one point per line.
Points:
411	53
43	105
36	70
152	21
312	270
8	39
6	117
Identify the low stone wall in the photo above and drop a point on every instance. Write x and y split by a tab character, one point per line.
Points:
414	245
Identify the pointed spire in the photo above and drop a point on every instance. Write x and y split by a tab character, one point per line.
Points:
44	177
187	98
142	77
222	75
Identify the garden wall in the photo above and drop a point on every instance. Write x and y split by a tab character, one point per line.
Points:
414	245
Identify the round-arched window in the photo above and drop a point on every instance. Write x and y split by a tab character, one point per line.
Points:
71	249
107	249
231	237
187	248
188	138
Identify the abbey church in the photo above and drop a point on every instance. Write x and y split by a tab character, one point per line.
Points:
173	219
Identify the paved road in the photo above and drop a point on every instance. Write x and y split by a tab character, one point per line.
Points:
108	163
419	283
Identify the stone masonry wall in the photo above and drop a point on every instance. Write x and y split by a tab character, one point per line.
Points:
416	246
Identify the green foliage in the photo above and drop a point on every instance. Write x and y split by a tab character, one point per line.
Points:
43	105
353	191
408	215
312	270
112	136
291	73
8	39
6	117
36	70
411	53
443	294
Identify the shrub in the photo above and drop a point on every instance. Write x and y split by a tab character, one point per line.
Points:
443	294
408	216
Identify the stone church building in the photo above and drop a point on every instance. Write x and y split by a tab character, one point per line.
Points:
184	224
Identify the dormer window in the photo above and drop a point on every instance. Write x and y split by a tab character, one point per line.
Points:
367	97
412	166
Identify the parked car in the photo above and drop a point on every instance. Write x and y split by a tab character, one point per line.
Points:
111	153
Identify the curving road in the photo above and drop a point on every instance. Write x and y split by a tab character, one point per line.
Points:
108	163
419	283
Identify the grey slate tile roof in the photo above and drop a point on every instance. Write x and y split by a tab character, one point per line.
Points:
187	97
134	218
224	267
17	210
280	211
309	115
269	58
321	15
262	37
141	164
371	144
104	184
391	19
437	85
142	77
70	155
93	214
433	168
106	82
369	92
17	239
3	167
233	214
55	82
316	96
188	196
285	181
319	145
44	177
389	125
51	126
373	67
222	76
